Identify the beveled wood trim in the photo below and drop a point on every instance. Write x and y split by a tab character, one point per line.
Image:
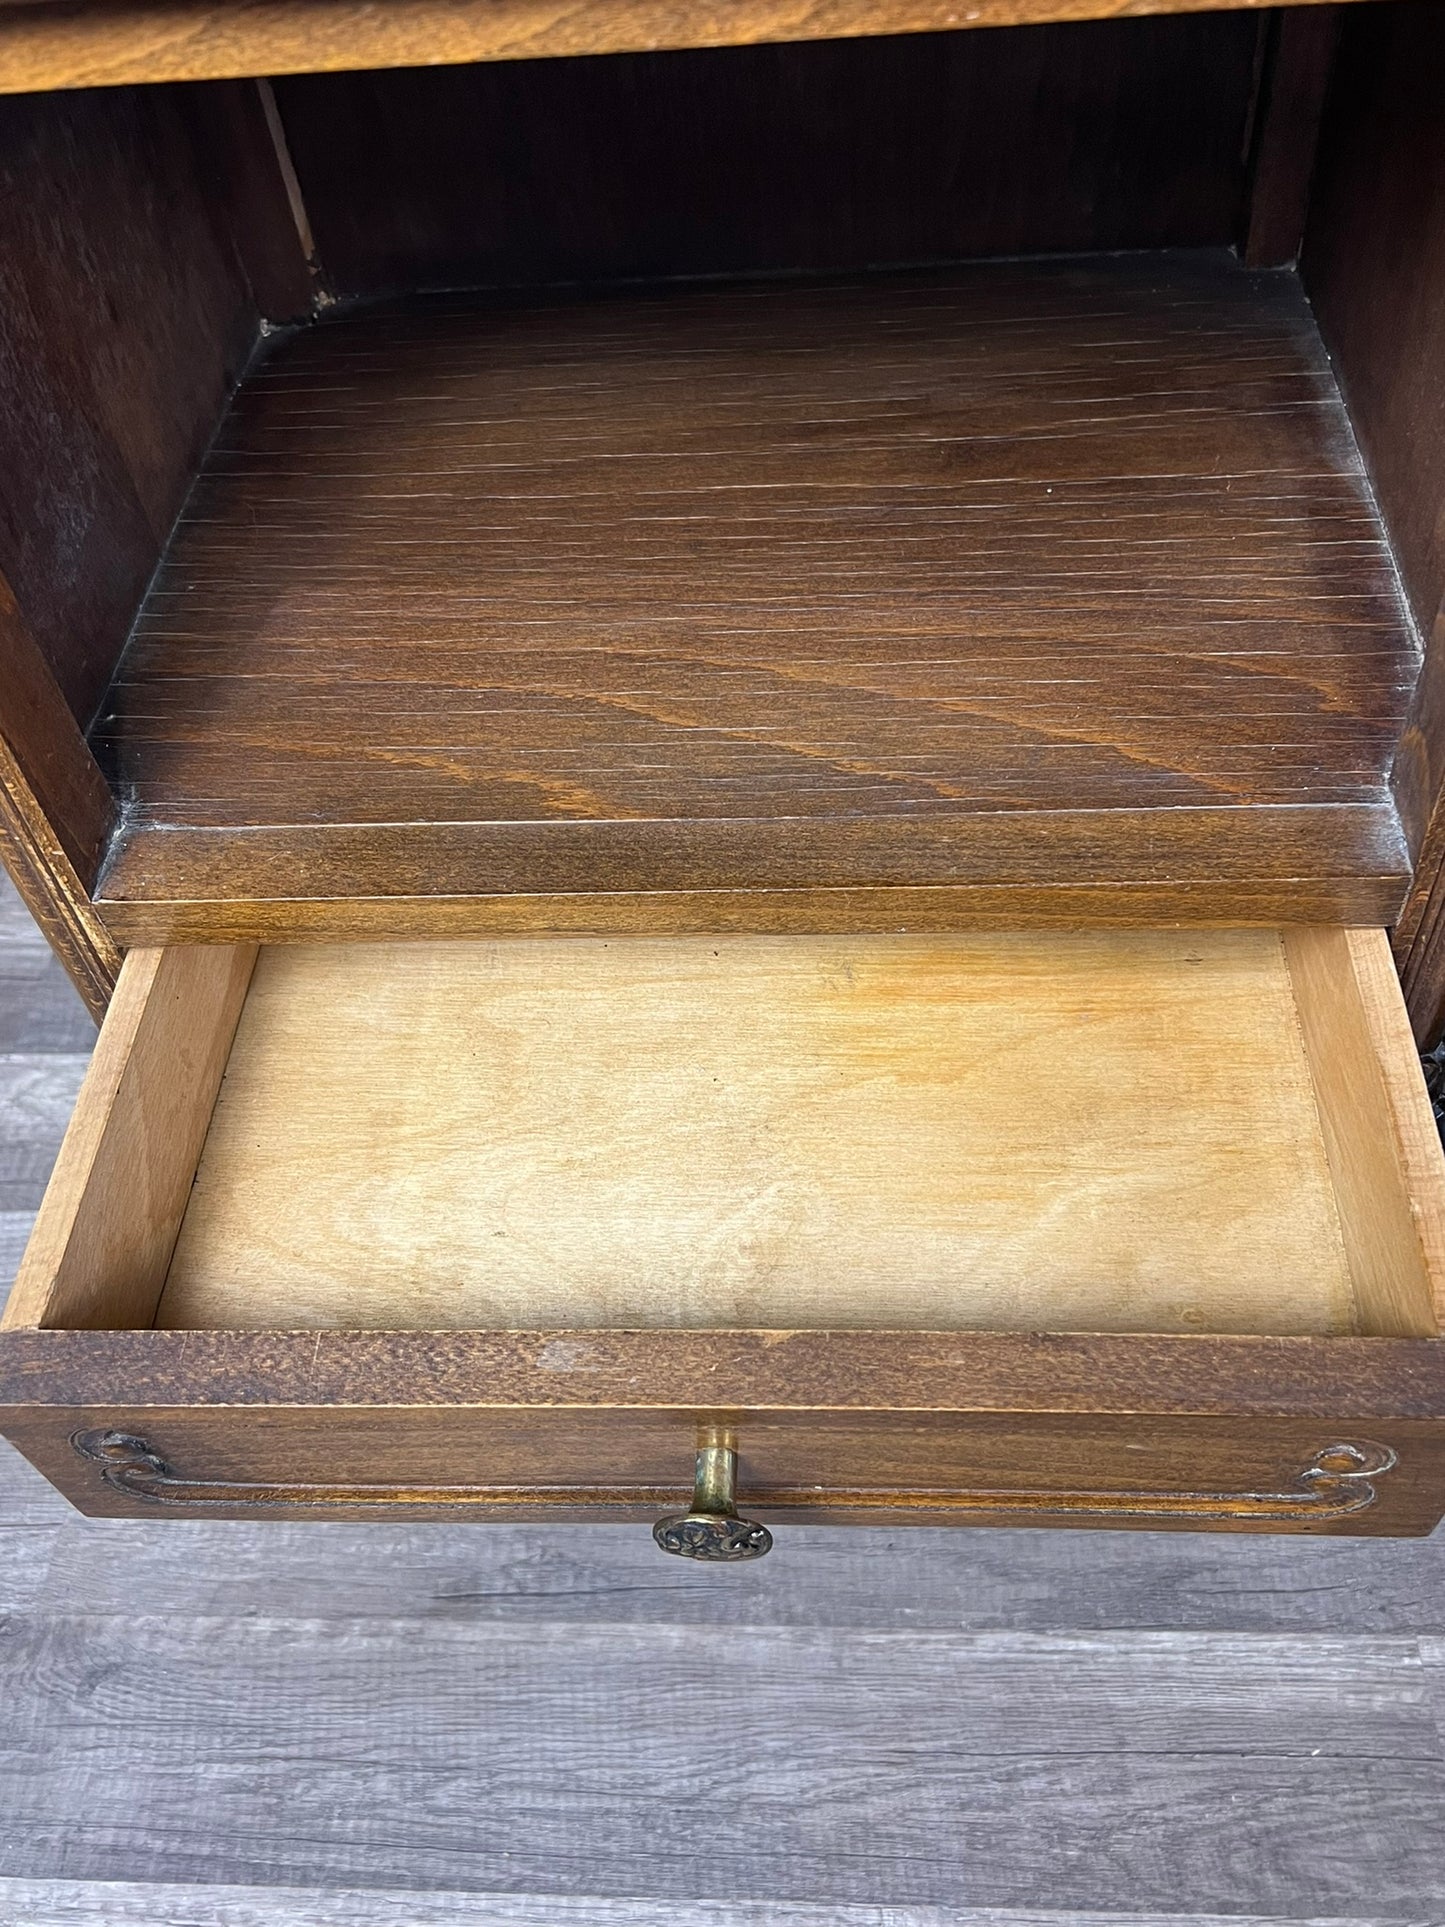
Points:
53	893
808	912
1068	868
104	44
56	810
45	749
103	1238
722	1371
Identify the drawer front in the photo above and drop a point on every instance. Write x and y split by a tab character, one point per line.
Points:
1299	1387
1273	1474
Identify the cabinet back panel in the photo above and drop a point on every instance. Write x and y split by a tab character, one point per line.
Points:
841	154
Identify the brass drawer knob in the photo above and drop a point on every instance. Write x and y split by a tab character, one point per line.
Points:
711	1529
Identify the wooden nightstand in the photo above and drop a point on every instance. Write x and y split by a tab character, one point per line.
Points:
739	725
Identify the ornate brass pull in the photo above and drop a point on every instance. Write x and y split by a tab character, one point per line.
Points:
711	1529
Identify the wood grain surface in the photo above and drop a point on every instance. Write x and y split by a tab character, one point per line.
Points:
781	1132
104	1233
56	809
143	1903
889	1767
124	319
774	587
45	46
1299	51
1375	267
1381	1139
338	1376
813	157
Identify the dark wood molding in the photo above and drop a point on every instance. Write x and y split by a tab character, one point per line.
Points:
56	811
49	754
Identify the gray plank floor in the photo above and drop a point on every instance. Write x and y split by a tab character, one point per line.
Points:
229	1725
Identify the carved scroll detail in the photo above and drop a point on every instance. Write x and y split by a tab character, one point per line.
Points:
1338	1481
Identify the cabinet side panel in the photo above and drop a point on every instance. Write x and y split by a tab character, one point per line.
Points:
125	317
1374	267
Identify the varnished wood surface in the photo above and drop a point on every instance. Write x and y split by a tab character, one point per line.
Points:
988	871
248	176
884	1424
51	779
1381	1137
1353	1378
124	318
46	44
806	1468
56	809
772	588
813	157
1375	265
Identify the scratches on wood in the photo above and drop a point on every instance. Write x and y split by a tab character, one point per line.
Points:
768	563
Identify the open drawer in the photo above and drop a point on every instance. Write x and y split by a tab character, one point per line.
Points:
1127	1228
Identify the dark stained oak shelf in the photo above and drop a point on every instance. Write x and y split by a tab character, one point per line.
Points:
1042	591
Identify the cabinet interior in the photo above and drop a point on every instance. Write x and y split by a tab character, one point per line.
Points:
927	482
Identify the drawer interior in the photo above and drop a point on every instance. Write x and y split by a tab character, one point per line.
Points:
1118	1131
